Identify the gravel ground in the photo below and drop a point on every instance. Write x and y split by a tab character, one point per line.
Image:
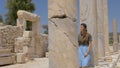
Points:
37	63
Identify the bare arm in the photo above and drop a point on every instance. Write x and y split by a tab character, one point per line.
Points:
89	47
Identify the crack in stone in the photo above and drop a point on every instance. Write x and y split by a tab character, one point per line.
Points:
63	16
63	32
53	22
69	38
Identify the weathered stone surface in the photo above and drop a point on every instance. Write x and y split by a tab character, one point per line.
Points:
62	10
35	47
47	54
106	25
21	23
118	65
21	57
88	15
7	59
44	43
100	25
119	38
27	16
25	49
37	63
27	34
63	44
111	61
115	36
38	48
4	51
20	42
8	34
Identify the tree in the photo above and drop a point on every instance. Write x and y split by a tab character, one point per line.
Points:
1	19
14	5
45	27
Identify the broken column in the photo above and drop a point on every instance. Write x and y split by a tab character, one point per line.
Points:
63	45
100	27
115	35
106	30
88	16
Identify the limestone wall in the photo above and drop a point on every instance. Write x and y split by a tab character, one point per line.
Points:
8	34
44	43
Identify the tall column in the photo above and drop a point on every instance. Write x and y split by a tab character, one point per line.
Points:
119	43
119	38
88	16
106	30
115	36
100	25
63	34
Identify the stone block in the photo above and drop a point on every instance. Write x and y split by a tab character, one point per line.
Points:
3	50
27	34
47	54
7	59
21	43
21	57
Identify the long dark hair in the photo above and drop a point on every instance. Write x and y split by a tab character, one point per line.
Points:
84	33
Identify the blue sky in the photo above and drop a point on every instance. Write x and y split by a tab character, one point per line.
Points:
42	11
114	12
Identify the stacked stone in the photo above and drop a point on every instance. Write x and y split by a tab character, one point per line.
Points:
22	47
118	63
44	44
109	61
35	48
8	34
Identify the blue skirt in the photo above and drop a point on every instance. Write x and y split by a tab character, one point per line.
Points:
83	61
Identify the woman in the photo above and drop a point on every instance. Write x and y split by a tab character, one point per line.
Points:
85	43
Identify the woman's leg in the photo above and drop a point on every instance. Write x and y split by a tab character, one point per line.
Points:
81	56
86	59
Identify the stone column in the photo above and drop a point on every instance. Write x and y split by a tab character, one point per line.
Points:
119	38
100	25
38	49
63	34
88	16
115	35
119	43
106	30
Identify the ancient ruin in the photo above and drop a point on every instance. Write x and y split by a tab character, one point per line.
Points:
92	12
19	45
63	34
95	14
115	35
59	49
